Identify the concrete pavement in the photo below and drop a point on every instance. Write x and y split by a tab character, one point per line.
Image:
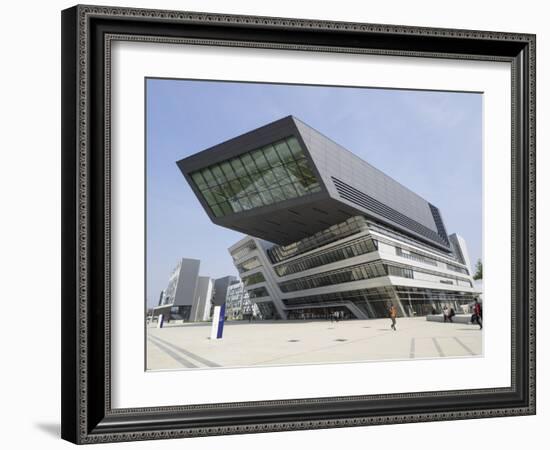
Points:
187	345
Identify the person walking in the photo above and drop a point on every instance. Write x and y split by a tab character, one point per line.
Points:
477	316
446	313
393	316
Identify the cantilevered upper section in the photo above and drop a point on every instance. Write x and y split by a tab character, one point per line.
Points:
285	181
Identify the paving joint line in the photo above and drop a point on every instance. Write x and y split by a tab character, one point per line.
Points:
173	354
187	353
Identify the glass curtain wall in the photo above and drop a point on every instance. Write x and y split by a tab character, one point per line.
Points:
262	177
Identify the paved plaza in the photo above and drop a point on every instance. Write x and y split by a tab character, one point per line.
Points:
188	346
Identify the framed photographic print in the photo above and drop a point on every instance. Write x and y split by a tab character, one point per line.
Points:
279	224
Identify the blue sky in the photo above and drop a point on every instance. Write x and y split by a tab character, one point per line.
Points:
431	142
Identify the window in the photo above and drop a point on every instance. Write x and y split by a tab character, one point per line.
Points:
258	292
249	264
354	273
351	226
258	178
253	279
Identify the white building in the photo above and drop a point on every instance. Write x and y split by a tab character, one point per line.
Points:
327	231
357	267
189	296
238	305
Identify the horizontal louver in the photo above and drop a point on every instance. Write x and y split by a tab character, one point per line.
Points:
367	202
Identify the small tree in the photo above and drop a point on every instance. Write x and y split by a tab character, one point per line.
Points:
479	270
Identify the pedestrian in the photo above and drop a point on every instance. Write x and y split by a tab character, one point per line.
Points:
393	316
478	314
445	313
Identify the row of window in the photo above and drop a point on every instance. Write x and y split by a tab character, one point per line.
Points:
428	259
243	250
360	272
349	250
397	235
268	310
255	278
373	294
238	302
261	177
416	294
258	292
333	233
365	201
415	256
375	302
457	269
249	264
449	279
400	272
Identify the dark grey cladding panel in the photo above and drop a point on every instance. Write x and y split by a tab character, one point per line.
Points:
187	281
442	231
291	220
334	161
286	222
383	211
220	289
252	140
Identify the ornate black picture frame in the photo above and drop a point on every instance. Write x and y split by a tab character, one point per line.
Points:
87	34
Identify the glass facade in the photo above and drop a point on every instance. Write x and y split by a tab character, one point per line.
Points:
249	264
423	301
355	273
415	256
258	292
403	272
458	269
361	272
238	305
262	177
373	302
349	250
333	233
319	313
404	238
255	278
180	313
243	250
268	310
419	256
170	291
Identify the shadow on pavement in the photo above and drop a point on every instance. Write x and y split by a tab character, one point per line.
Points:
53	429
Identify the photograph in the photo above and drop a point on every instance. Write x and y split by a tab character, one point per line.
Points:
295	224
283	220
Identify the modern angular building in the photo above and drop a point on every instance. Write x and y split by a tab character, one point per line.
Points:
238	305
189	296
326	231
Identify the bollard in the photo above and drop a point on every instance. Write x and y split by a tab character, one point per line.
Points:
218	318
